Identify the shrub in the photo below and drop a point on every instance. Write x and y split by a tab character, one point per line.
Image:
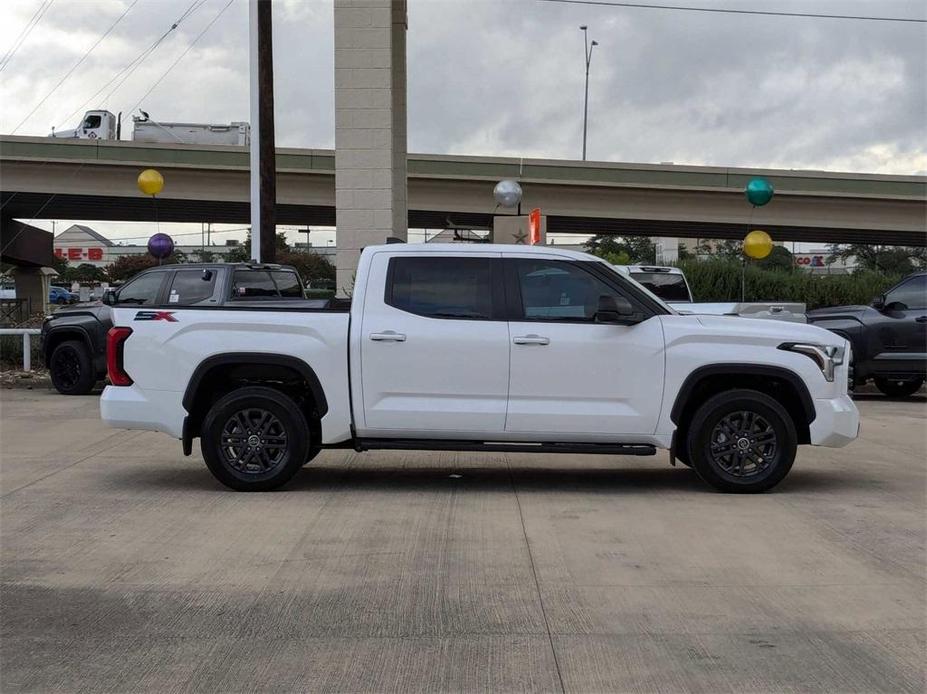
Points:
720	280
11	352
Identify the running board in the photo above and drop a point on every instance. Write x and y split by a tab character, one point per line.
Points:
498	446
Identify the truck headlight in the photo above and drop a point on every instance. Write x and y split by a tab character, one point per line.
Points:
827	357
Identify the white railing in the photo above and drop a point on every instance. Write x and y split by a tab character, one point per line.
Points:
27	334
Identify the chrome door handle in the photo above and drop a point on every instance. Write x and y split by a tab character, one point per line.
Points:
388	336
921	319
531	340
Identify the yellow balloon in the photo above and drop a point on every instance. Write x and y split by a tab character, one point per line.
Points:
757	244
150	182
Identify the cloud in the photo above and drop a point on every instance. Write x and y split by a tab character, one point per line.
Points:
506	77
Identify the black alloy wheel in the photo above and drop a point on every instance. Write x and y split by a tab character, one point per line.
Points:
255	439
741	441
899	387
71	368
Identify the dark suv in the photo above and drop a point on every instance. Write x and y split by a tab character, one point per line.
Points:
74	339
889	337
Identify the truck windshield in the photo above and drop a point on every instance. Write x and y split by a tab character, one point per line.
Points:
667	286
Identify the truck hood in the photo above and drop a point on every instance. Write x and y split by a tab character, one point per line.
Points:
728	328
776	310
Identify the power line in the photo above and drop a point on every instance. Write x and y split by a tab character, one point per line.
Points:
191	233
180	57
138	63
76	65
24	34
131	67
768	13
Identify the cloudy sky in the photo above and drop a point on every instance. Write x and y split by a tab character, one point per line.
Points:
505	77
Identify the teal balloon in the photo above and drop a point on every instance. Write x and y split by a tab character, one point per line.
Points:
759	191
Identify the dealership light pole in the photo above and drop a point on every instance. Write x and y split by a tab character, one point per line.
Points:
589	46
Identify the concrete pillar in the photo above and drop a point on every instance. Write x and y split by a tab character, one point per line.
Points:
370	128
514	229
33	284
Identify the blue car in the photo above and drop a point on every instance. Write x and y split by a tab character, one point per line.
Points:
60	295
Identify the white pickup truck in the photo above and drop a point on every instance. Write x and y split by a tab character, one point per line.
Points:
491	348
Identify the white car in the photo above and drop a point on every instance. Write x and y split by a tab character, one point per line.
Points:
479	348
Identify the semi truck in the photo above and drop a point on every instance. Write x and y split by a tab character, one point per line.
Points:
104	125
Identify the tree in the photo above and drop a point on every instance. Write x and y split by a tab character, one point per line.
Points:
201	255
889	260
311	266
620	250
778	259
60	265
242	252
85	272
727	249
127	266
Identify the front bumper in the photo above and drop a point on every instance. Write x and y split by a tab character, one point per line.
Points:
836	422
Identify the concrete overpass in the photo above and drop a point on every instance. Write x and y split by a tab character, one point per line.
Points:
42	178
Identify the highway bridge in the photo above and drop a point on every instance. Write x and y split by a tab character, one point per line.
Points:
42	178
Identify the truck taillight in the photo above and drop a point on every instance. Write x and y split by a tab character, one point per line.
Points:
115	345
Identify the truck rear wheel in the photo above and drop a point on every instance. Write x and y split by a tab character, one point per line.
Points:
741	441
255	439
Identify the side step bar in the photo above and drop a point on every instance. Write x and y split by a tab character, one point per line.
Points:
498	446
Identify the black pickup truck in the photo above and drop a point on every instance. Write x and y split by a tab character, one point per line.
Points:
74	338
889	337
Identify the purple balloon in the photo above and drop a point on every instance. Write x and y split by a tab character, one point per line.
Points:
160	246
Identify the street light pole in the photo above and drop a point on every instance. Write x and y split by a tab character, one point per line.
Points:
588	54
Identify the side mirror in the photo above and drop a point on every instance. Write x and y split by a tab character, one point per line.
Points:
612	309
879	303
109	297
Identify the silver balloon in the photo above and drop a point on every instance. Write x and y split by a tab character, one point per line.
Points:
507	193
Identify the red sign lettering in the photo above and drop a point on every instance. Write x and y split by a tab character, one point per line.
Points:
95	254
74	253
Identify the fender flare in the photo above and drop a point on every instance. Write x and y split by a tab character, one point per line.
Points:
256	359
67	328
792	378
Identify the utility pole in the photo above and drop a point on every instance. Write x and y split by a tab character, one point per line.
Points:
263	161
588	54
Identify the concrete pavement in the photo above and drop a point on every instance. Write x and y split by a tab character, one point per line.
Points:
126	567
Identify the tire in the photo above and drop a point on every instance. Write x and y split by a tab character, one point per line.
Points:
71	368
260	417
897	388
749	467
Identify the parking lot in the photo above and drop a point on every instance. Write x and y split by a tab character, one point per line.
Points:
126	567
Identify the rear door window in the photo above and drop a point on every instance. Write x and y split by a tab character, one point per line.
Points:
191	287
442	287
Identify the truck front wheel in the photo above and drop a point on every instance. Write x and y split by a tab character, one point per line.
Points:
255	439
71	368
899	388
741	441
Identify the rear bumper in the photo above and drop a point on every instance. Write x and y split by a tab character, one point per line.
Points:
130	407
836	422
